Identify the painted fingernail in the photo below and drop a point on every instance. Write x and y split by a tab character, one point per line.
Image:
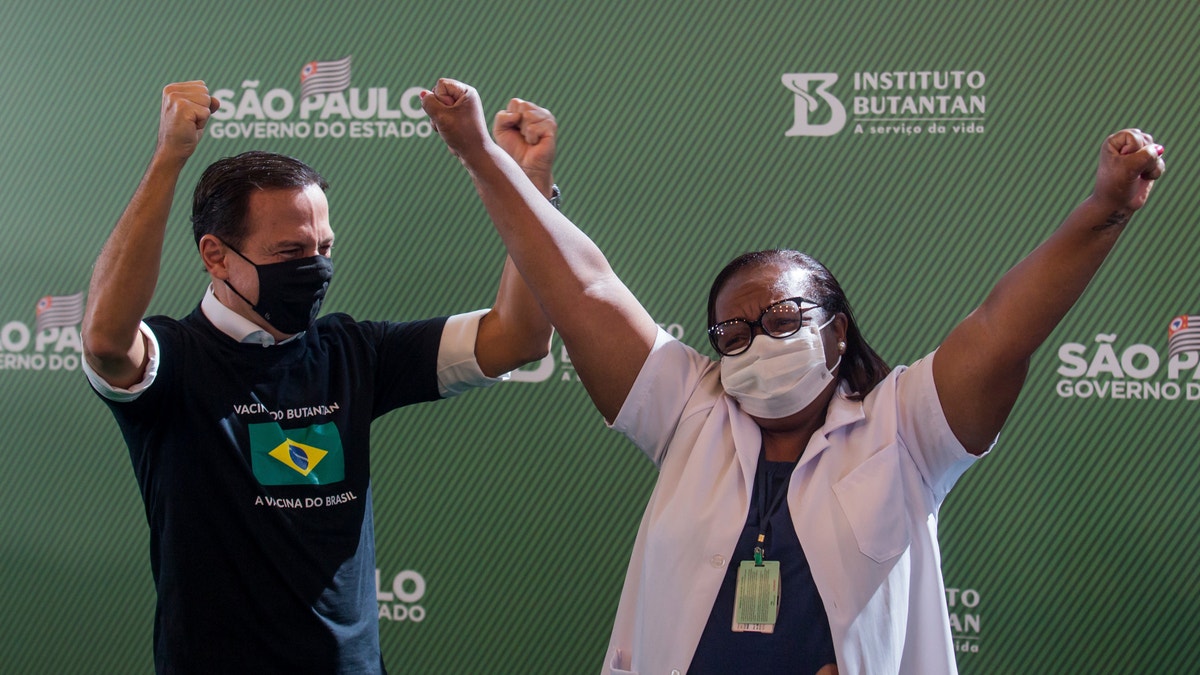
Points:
1161	150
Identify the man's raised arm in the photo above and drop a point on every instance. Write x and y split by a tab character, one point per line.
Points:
126	271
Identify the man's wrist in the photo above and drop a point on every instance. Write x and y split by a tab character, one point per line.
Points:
168	159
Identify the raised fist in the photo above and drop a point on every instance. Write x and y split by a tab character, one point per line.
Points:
457	114
186	107
1130	162
529	134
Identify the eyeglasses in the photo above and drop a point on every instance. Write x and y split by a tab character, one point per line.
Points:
779	320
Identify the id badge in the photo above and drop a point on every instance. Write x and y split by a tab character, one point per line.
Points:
756	602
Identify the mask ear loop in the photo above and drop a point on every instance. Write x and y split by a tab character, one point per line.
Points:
824	325
841	345
235	292
226	281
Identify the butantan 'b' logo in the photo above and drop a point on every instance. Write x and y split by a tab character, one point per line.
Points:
308	456
807	103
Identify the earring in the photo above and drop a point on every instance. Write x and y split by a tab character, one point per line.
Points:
842	347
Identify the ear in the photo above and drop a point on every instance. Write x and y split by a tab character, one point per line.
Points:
840	325
214	255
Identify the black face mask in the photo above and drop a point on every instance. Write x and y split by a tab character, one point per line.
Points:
290	292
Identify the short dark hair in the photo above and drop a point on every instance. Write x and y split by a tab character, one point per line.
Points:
220	200
862	368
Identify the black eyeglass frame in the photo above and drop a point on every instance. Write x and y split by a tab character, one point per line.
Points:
798	300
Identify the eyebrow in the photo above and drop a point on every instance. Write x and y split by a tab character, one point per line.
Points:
296	243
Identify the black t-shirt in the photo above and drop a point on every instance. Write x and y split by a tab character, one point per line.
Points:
254	467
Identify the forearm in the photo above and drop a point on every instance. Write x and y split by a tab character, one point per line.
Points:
604	328
126	273
1034	296
557	260
515	331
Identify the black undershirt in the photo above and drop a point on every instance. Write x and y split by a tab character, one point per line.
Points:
802	642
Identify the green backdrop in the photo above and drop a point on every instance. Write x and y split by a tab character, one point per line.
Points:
505	518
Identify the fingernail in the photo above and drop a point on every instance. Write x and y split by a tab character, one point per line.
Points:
422	93
1161	150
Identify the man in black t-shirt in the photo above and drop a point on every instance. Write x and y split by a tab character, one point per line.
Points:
248	421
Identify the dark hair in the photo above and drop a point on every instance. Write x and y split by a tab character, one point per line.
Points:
220	200
862	368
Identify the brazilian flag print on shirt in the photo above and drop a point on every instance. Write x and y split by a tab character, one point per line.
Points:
306	456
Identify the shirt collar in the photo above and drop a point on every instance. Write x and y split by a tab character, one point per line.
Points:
235	325
842	409
841	412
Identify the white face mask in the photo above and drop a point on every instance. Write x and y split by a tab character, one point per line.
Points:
775	378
